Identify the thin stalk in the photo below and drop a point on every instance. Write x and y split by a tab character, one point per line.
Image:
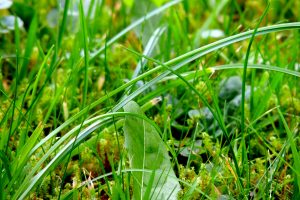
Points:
247	146
86	54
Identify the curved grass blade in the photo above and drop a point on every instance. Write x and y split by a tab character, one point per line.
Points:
257	66
196	74
197	53
38	76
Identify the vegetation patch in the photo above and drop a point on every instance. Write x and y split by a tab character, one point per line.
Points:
125	99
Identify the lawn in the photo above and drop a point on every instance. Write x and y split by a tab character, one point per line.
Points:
149	99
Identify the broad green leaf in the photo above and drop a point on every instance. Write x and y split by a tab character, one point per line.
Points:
147	151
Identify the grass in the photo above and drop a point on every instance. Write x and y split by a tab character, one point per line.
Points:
226	108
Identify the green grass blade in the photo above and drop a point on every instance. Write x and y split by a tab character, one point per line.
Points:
31	39
62	27
22	158
17	79
38	76
246	144
86	53
149	186
296	156
257	66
